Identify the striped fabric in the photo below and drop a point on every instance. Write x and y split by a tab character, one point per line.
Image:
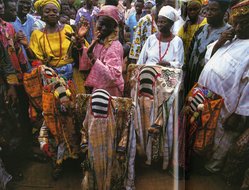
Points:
198	98
147	79
49	73
100	103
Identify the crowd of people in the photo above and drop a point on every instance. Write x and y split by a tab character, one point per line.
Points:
110	82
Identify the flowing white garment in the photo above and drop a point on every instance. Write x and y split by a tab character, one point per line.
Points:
150	52
227	73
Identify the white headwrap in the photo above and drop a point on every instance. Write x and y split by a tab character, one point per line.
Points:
169	12
150	1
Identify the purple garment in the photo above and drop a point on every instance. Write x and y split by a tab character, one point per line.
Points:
91	16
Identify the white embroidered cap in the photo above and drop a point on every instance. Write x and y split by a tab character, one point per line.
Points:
169	12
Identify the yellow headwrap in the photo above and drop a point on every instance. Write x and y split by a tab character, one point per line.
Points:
39	4
240	9
194	1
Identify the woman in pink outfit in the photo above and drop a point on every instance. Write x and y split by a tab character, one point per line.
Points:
106	54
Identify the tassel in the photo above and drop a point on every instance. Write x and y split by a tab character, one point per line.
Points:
56	94
68	92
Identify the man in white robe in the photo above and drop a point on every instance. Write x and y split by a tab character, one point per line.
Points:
227	74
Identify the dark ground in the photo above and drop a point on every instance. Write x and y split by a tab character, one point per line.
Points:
37	176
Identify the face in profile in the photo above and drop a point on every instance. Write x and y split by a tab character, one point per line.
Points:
241	26
1	8
105	25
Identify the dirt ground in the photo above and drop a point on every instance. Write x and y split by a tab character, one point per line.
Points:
37	176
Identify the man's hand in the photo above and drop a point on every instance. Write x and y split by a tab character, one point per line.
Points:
93	44
228	35
77	39
83	28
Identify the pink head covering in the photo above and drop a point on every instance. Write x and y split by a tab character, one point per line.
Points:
110	11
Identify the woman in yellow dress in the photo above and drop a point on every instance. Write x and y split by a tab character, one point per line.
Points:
50	44
53	46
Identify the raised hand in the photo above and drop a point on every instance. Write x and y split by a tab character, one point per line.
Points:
90	49
228	35
94	42
77	39
83	27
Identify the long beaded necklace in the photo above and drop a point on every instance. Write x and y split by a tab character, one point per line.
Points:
166	51
60	41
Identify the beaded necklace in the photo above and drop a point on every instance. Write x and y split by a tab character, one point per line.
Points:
166	51
60	41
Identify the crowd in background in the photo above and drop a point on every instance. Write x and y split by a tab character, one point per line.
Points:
134	60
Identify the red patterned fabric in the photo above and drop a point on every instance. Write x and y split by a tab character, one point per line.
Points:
7	36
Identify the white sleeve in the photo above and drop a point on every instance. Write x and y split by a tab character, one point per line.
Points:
143	55
179	55
243	104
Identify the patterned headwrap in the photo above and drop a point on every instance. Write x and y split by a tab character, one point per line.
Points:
194	1
39	4
240	9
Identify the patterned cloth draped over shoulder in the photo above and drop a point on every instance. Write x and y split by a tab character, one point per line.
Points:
153	90
16	55
34	82
55	99
197	123
105	135
58	111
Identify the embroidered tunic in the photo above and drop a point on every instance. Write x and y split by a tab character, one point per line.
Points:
153	89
